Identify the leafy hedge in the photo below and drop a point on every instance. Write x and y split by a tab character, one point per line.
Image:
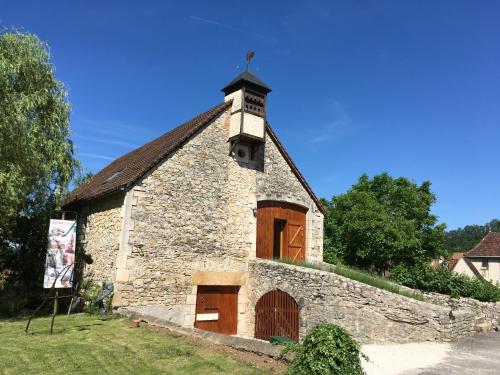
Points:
327	349
442	280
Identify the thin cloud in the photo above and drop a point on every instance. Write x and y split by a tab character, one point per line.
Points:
336	127
232	28
116	129
107	141
96	156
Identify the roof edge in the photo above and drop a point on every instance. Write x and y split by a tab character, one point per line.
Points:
294	168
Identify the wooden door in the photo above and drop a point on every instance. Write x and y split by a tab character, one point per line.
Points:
217	309
292	227
295	241
276	314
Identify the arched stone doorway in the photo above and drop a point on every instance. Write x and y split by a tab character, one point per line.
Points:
276	314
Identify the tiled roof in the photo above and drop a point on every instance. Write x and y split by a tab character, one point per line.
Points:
488	247
246	77
128	169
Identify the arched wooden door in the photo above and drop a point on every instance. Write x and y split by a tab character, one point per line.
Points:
276	314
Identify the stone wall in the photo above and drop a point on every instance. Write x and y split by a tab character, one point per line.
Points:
483	311
99	229
279	183
369	314
196	212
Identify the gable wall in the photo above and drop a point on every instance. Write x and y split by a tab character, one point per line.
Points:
195	213
99	229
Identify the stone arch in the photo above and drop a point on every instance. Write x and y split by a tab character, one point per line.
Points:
277	314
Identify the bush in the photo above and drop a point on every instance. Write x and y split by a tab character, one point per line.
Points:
442	280
327	349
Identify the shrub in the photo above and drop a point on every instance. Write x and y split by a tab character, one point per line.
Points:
327	349
442	280
89	291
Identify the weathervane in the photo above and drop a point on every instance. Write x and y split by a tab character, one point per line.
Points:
250	55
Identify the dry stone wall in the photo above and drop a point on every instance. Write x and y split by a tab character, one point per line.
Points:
99	228
369	314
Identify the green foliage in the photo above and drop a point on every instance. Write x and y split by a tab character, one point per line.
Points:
361	276
89	291
381	222
36	159
375	280
464	239
327	349
441	280
36	156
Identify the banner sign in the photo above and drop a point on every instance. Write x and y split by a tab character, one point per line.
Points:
60	259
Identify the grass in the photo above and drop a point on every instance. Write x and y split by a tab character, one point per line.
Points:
361	276
92	346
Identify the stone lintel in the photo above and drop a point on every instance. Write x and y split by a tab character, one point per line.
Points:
219	278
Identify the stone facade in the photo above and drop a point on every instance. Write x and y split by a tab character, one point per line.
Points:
369	314
195	212
99	230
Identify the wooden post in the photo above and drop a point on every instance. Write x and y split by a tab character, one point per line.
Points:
55	312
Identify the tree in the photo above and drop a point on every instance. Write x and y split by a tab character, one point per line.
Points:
36	159
36	154
382	222
464	239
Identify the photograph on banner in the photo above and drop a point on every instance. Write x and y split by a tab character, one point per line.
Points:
60	259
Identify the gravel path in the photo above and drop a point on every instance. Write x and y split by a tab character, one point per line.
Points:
477	355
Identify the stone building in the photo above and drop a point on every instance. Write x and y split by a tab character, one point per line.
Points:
177	223
483	260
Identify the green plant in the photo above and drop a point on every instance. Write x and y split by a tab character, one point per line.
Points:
359	275
327	349
89	291
382	221
441	280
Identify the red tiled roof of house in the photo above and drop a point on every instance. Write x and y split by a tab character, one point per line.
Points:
489	246
128	169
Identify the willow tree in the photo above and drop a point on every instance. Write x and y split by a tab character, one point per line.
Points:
36	154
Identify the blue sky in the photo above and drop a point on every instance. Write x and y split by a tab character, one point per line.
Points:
407	87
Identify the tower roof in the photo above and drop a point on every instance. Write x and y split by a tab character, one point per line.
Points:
246	78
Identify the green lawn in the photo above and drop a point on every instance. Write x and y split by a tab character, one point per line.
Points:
92	346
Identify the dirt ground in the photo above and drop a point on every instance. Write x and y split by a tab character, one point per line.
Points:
262	362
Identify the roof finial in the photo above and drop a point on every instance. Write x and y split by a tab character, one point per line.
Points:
250	55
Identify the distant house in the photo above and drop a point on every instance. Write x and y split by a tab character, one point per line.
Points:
455	257
483	260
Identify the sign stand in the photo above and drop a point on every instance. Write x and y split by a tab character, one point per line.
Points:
54	294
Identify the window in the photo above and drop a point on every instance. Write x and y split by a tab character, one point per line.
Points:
484	264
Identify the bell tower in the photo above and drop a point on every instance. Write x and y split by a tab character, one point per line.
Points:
248	112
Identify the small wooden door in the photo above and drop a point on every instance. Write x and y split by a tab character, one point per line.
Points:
217	309
295	242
